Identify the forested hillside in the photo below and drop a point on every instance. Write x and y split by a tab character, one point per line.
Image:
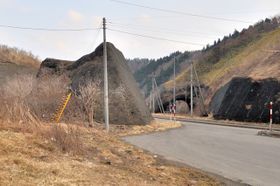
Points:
244	53
161	68
212	62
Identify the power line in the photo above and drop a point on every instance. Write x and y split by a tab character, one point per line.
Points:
156	38
178	12
96	37
159	30
49	29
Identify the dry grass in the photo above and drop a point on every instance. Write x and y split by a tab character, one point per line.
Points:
18	56
14	94
247	61
154	126
67	138
36	153
29	159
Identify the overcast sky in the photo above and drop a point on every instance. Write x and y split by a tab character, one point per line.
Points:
137	20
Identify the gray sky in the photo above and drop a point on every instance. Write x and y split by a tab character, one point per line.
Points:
137	20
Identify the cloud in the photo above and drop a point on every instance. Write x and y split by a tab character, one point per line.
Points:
96	21
144	18
15	6
75	19
6	2
75	16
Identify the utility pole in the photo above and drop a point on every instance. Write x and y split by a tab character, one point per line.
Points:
150	102
106	99
153	95
191	89
174	87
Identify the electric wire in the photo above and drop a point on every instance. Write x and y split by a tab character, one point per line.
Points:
156	38
97	36
49	29
178	12
160	30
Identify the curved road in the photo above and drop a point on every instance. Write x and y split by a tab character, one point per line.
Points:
234	153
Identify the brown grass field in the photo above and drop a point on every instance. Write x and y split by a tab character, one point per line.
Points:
60	154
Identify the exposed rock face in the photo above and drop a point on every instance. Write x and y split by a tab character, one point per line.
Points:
244	99
131	110
53	67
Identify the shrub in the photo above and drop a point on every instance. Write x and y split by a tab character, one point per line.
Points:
14	94
66	137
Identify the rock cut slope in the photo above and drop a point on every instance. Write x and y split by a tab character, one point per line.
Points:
245	99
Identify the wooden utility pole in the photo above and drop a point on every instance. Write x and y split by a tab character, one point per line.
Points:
153	95
174	87
106	97
174	82
191	89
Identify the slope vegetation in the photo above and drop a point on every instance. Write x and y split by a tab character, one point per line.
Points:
15	61
250	53
161	69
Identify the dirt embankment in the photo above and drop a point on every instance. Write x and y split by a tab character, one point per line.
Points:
101	159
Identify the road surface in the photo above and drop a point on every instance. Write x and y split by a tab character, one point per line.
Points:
234	153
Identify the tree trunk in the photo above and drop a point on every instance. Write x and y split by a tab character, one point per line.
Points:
90	117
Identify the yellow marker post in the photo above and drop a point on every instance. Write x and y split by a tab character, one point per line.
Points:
62	108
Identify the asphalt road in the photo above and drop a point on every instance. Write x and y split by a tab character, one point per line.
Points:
234	153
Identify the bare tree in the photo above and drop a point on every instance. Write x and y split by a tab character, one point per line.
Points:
90	93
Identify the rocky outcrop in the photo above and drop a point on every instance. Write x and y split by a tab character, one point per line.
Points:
53	67
131	110
245	99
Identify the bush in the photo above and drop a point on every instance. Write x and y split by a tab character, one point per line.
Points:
46	96
24	99
14	95
67	138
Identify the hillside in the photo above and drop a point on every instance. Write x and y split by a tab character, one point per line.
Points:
213	59
251	56
243	56
161	68
15	61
